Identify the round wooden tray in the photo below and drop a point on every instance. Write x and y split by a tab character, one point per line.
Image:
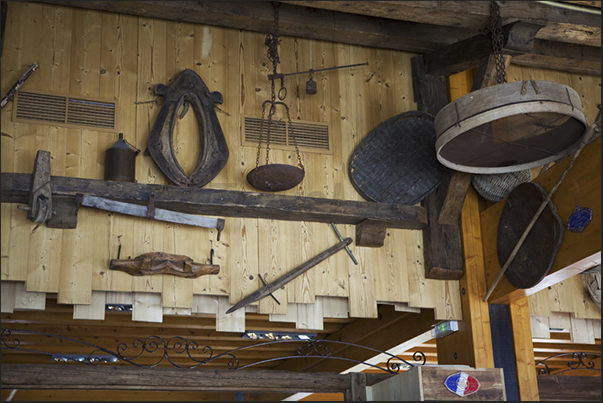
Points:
537	253
396	162
510	127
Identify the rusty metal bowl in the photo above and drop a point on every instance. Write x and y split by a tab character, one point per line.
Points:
275	177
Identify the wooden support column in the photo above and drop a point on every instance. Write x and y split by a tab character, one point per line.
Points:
357	390
527	378
441	242
472	343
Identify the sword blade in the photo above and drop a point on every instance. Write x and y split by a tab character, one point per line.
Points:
287	277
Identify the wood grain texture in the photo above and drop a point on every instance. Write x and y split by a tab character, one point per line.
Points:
564	388
171	379
454	349
8	296
524	350
94	311
122	57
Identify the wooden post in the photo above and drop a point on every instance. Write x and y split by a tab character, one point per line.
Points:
357	390
524	350
472	343
442	242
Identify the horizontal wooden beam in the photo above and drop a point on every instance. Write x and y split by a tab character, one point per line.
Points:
297	21
520	41
118	377
569	388
578	59
410	26
466	14
466	54
16	188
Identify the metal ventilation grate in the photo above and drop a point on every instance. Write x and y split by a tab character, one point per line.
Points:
63	110
309	136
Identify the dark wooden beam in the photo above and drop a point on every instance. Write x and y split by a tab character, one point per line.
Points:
573	58
442	246
16	188
119	377
411	26
569	388
453	190
466	54
298	21
466	14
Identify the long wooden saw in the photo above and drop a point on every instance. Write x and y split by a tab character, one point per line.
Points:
150	212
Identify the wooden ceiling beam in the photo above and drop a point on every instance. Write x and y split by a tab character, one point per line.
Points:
48	395
465	14
297	21
32	376
411	26
578	59
520	42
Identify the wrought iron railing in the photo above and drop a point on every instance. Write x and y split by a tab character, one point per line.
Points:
178	346
581	361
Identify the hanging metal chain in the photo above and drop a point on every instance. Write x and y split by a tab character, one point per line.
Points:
495	28
294	141
272	41
270	114
257	158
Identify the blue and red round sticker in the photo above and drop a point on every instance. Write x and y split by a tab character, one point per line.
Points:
461	384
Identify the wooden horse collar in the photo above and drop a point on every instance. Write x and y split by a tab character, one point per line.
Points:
188	89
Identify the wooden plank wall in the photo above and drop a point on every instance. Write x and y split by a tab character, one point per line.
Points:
122	57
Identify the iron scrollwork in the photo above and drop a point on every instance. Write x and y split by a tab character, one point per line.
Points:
583	361
178	346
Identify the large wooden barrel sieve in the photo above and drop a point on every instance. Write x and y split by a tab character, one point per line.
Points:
509	127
